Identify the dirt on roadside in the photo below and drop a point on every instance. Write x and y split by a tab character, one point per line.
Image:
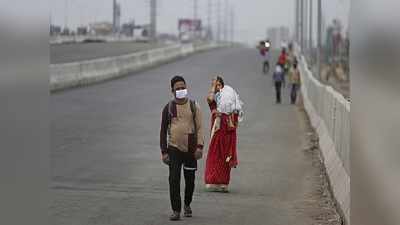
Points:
318	203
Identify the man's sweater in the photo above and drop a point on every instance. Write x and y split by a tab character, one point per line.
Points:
181	128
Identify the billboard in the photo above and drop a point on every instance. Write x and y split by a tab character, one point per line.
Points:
187	25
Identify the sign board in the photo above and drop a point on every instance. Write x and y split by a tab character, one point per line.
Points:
187	25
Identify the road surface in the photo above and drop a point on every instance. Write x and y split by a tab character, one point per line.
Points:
64	53
105	156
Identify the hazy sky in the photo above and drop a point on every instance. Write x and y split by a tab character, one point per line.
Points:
252	19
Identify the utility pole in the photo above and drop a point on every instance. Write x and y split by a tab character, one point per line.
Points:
302	25
195	8
209	11
218	20
226	19
296	21
310	27
153	19
66	15
319	41
305	25
114	16
232	25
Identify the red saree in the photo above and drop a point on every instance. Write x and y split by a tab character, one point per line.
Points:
222	155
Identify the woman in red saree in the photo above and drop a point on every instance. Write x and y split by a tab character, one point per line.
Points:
222	154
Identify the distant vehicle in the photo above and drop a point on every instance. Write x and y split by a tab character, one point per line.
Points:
93	40
82	31
185	38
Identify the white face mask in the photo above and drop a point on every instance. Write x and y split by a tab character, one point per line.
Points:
181	94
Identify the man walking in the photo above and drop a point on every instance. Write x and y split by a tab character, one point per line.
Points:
181	142
264	52
294	75
279	80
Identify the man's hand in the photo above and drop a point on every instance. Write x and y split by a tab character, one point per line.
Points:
198	154
165	158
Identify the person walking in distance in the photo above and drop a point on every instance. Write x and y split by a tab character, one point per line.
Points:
294	76
181	143
264	47
279	81
283	60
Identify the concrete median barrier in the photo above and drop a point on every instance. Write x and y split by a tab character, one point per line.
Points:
60	39
329	114
69	75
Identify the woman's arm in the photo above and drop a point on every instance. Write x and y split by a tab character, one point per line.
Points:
211	92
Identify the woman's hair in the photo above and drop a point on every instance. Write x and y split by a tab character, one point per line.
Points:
220	80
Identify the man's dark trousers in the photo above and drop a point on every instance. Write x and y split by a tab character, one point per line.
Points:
189	163
278	87
293	94
266	66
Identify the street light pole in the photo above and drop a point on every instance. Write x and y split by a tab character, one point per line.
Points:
319	44
296	21
305	26
66	15
153	19
302	25
232	25
195	8
218	20
310	29
209	11
226	20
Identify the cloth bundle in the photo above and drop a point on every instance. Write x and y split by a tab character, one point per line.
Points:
228	102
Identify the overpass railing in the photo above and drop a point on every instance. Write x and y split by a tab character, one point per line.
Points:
329	113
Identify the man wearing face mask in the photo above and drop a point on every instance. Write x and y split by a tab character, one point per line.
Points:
181	143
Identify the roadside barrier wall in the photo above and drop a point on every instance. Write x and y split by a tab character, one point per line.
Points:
329	113
68	75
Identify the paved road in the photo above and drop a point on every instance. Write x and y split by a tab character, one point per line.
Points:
105	156
65	53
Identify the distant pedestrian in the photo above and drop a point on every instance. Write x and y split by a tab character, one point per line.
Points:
279	81
181	142
264	47
294	76
283	60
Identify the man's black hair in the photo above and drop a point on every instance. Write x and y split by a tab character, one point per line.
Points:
220	80
295	62
176	79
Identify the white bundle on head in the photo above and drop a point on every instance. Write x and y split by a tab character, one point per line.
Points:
230	102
